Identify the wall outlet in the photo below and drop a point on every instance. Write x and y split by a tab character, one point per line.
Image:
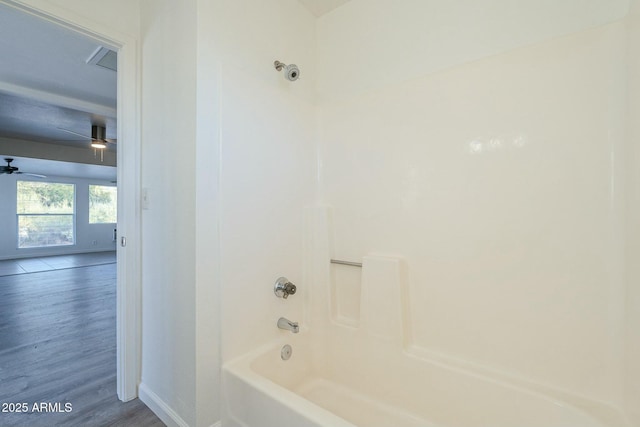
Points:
94	243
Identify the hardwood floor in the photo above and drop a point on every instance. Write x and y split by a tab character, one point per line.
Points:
56	262
58	347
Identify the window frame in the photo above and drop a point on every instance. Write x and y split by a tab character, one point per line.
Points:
89	204
72	214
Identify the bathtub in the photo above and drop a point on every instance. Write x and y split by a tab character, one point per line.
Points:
373	385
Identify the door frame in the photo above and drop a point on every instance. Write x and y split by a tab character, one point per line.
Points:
128	289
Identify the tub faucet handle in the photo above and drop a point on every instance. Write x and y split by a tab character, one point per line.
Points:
283	288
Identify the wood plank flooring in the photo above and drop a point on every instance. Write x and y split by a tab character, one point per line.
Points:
57	262
58	347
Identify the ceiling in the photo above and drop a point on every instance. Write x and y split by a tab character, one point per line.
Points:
320	7
25	118
47	85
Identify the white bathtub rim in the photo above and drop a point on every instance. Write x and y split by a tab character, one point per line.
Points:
599	411
241	369
606	414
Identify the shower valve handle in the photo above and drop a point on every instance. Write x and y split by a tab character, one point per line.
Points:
283	288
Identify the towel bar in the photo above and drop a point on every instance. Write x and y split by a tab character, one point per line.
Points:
353	264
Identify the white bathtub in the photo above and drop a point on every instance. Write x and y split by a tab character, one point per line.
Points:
374	386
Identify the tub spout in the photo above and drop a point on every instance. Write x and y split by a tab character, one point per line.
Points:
288	325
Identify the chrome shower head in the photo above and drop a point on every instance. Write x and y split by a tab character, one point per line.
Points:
291	71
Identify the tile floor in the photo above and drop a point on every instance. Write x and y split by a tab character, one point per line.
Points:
59	262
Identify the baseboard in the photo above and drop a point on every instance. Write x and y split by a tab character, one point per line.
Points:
217	424
161	409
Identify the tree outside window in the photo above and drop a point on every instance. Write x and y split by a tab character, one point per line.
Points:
103	203
46	212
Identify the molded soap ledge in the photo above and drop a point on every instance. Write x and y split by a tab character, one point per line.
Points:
346	295
385	313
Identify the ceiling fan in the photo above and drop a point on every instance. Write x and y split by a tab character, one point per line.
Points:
8	169
98	136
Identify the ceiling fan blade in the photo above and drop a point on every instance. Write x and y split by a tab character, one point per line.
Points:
37	175
75	133
107	140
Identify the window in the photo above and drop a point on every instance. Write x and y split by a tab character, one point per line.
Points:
103	202
45	214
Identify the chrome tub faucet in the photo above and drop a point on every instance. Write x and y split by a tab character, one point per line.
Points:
288	325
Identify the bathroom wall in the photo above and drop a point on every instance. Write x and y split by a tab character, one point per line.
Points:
243	150
632	374
267	157
483	145
169	40
366	44
207	243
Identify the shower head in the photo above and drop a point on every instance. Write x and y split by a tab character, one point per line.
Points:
291	71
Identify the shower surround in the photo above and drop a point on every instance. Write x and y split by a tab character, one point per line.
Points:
479	160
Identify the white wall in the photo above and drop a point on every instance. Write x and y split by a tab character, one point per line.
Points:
499	180
632	373
243	149
85	233
254	174
168	225
208	304
366	44
255	168
267	158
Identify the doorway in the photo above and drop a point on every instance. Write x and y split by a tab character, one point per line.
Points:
127	240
